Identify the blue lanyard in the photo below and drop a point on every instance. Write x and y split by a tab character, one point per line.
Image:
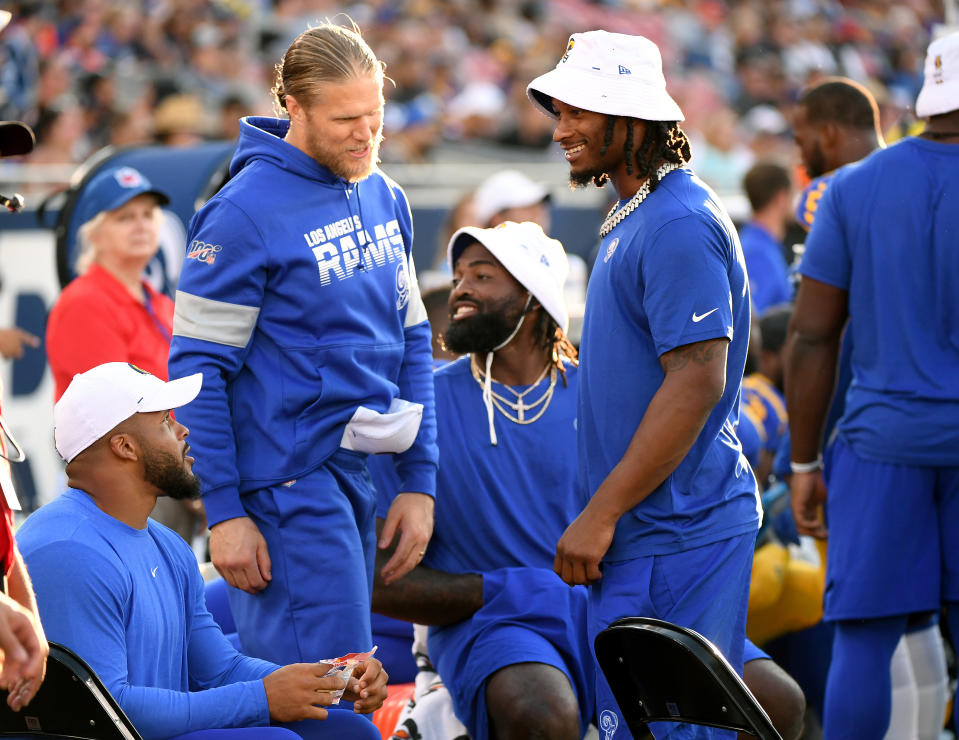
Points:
156	319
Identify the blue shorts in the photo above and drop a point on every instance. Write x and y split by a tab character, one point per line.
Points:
321	534
893	537
529	616
705	588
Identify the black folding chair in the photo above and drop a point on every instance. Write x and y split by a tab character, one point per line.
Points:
72	703
661	672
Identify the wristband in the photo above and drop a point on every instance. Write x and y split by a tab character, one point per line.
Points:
806	467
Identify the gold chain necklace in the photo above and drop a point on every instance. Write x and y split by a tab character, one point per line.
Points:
519	406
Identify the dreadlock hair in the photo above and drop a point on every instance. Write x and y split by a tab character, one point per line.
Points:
547	334
664	141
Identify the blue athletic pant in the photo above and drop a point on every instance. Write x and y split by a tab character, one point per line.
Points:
321	534
341	723
705	588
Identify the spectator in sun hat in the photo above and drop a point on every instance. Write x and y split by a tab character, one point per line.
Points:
664	341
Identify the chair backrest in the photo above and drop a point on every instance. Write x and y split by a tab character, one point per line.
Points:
72	703
661	672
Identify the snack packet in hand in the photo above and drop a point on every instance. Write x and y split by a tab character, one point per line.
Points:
343	667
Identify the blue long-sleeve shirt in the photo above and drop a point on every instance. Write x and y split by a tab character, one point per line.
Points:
298	302
130	603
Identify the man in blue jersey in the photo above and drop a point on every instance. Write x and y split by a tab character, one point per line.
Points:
298	302
508	636
770	195
125	592
836	122
881	253
671	505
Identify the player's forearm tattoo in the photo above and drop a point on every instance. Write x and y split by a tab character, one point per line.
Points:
701	353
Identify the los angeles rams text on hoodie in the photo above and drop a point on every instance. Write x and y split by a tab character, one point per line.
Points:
298	302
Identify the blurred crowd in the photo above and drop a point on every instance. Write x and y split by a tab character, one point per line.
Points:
88	73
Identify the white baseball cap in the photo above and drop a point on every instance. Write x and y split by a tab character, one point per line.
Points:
611	73
940	86
506	189
99	399
536	261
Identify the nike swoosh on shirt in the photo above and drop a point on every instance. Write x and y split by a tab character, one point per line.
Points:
699	317
153	571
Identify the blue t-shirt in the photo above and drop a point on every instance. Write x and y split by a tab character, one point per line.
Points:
766	266
672	273
886	233
130	602
504	506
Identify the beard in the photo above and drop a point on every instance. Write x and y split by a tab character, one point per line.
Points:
168	473
816	165
485	330
342	164
591	176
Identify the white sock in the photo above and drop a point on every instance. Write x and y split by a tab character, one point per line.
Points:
928	661
905	702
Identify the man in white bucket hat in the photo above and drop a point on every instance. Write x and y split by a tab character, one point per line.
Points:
881	262
672	509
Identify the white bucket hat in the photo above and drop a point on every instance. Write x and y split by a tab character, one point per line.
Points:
611	73
536	261
99	399
940	86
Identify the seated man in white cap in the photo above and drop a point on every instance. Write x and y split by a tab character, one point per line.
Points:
125	592
671	511
508	636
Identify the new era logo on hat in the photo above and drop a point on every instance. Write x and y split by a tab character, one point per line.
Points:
611	73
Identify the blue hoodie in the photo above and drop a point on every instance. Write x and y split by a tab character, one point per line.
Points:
298	302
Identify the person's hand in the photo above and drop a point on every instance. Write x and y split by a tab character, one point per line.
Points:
24	653
808	496
12	341
582	547
300	691
412	515
239	553
367	687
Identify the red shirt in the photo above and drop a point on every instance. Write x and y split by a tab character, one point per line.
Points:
7	541
96	320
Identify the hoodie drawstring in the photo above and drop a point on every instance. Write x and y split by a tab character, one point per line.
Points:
488	379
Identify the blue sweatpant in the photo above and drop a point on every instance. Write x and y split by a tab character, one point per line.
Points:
340	723
705	588
321	534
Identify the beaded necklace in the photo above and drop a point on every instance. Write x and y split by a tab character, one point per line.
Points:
519	406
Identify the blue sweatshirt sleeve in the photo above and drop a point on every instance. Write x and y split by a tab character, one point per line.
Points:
90	621
217	305
416	467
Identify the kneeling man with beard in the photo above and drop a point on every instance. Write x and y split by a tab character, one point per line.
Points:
125	593
507	635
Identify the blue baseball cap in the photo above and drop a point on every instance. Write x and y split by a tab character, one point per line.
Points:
115	187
